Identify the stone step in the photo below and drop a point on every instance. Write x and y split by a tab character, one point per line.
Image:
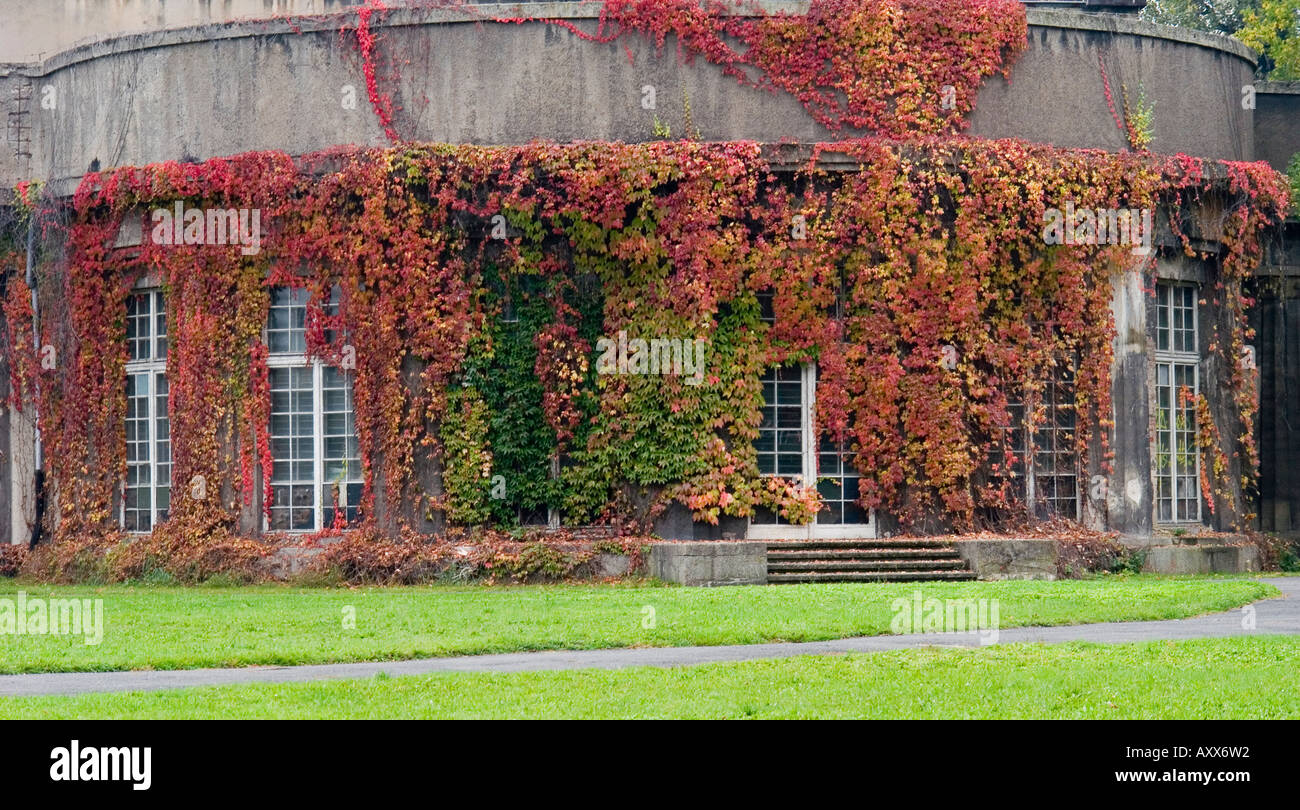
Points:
865	560
878	576
864	554
871	565
865	543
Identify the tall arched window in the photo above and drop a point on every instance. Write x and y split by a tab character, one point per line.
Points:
1178	360
146	495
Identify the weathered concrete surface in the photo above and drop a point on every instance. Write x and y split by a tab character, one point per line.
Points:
37	28
1126	494
1276	321
225	88
677	523
1056	94
710	563
1198	559
290	561
611	565
1010	558
19	465
1278	615
6	469
1277	122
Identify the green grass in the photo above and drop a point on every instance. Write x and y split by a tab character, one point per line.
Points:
177	628
1247	677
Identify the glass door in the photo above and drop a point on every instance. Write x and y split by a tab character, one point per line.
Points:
787	447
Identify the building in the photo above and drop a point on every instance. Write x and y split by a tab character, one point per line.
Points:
1120	388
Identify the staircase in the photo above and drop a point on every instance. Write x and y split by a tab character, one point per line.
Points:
864	561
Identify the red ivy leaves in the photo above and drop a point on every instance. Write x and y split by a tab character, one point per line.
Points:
381	103
950	302
889	67
563	359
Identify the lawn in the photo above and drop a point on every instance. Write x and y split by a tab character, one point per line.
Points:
177	628
1245	677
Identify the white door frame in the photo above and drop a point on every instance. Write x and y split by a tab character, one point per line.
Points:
814	530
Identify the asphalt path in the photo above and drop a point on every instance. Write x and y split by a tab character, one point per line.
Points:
1269	616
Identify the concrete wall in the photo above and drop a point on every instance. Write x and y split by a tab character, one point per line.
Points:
710	563
6	453
220	87
676	523
20	478
1211	559
37	28
1056	95
1128	491
1276	320
1010	558
1277	123
210	90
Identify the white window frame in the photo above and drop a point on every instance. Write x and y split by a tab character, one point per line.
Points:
152	367
807	420
1173	359
813	530
319	486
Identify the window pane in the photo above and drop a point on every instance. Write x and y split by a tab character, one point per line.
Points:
837	484
1177	455
139	317
137	499
146	495
780	437
1176	316
286	321
342	462
301	501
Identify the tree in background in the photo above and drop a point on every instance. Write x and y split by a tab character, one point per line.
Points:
1273	29
1218	16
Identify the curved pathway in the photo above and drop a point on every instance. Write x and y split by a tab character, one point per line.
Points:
1276	615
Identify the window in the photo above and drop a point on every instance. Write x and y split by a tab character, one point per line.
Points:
785	447
782	445
837	478
1049	486
1176	319
1055	457
780	442
837	484
146	496
766	306
286	324
316	471
1177	457
781	435
788	447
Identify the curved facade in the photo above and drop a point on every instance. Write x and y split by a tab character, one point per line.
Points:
210	90
238	77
